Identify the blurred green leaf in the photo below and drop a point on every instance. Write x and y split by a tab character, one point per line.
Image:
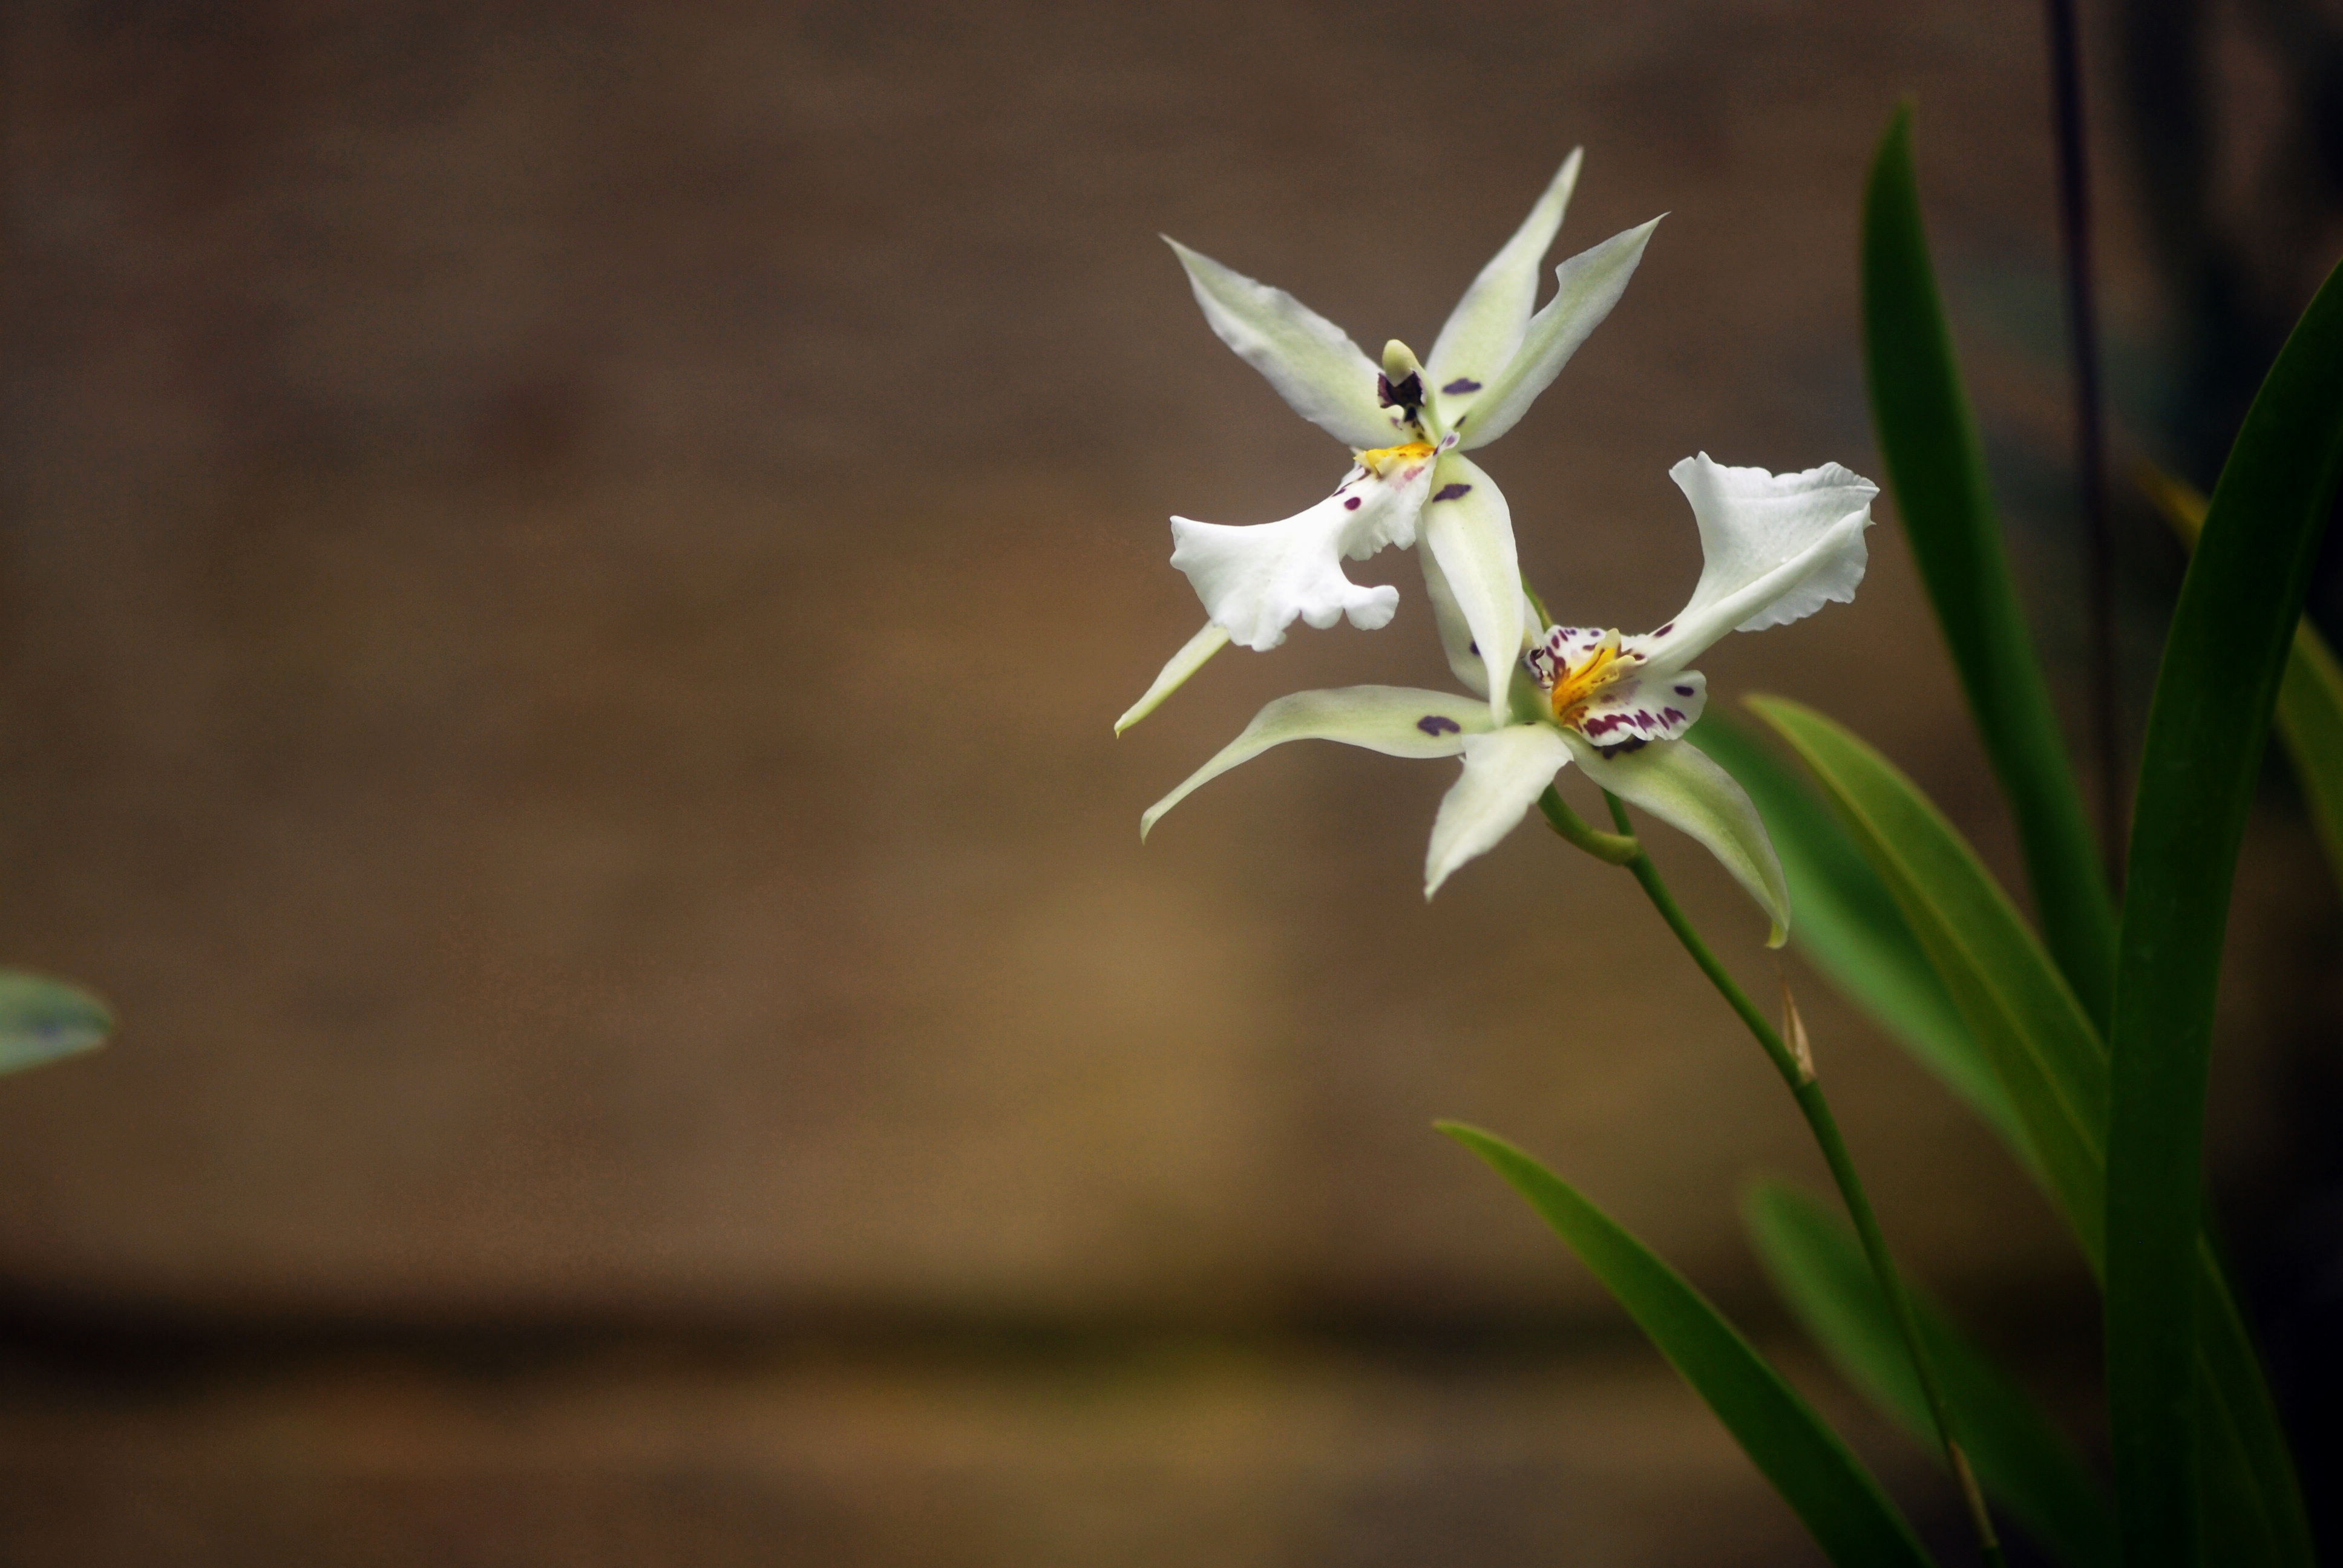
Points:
2049	1060
1935	466
1848	927
42	1019
2020	1458
2253	1510
2054	1067
2309	716
2223	660
1814	1471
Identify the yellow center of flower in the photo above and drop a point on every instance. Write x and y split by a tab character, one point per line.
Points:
1579	685
1381	461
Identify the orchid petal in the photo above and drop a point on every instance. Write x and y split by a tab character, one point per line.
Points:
1396	720
1779	548
1504	770
1256	580
1485	330
1591	284
1644	706
1677	783
1311	362
1456	638
1183	664
1469	530
1455	635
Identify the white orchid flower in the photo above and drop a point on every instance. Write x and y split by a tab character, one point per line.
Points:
1408	425
1778	548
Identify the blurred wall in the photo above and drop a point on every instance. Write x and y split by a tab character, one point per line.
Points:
567	571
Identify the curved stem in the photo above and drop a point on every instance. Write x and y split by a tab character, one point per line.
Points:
1612	848
1797	1070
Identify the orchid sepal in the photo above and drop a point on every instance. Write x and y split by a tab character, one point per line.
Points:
1505	771
1589	285
1468	529
1192	657
1396	720
1676	782
1485	331
1321	375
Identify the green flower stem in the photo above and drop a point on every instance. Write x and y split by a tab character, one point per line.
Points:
1612	848
1807	1091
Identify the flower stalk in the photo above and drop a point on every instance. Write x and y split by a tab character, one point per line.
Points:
1797	1071
1611	849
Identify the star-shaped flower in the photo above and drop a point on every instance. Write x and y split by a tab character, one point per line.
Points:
1409	424
1777	548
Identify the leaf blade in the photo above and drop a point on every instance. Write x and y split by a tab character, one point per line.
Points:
2048	1059
1816	1473
2224	657
1848	927
2309	718
1936	469
2055	1068
44	1020
2021	1459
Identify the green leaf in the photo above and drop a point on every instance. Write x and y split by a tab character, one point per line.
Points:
1809	1465
2223	658
2049	1060
1848	927
2310	723
42	1019
2253	1499
1935	468
2054	1068
2021	1460
2309	716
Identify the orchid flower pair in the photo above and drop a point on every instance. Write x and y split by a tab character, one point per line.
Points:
1777	548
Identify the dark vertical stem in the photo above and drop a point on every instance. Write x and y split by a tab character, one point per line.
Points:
2090	424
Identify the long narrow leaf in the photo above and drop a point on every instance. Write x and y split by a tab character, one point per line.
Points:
2048	1057
2021	1459
1821	1479
2223	658
1848	927
42	1019
2252	1498
1935	466
2309	716
2054	1068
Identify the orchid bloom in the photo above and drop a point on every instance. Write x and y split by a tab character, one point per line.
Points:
1777	548
1408	424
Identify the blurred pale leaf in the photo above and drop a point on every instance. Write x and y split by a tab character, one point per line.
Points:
42	1019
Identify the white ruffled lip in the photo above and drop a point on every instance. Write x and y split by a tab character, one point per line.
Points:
1257	580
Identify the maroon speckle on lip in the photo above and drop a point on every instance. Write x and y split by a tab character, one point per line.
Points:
1672	716
1462	384
1451	492
1438	724
1684	691
1351	505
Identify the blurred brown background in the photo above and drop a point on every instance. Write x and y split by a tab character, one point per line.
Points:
565	574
